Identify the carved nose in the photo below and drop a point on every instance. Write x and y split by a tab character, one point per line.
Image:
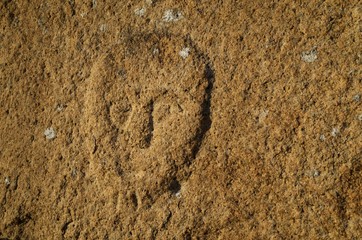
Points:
141	126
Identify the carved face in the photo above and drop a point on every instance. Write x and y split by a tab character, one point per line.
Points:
143	107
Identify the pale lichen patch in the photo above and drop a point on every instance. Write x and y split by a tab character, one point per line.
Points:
263	114
171	16
309	56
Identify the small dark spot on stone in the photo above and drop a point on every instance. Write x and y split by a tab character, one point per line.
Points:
134	200
174	186
187	235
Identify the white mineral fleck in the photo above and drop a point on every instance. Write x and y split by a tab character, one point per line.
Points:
103	27
60	107
155	51
360	117
178	194
315	173
322	137
184	53
335	132
49	133
7	181
140	11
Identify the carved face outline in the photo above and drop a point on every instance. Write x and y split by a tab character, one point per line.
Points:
145	100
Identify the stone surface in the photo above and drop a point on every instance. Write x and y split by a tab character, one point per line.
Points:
186	120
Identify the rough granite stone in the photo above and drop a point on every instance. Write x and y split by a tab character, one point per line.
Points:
180	119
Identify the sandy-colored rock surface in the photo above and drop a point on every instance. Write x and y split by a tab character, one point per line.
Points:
180	119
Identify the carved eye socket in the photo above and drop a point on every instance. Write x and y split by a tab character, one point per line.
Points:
120	111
